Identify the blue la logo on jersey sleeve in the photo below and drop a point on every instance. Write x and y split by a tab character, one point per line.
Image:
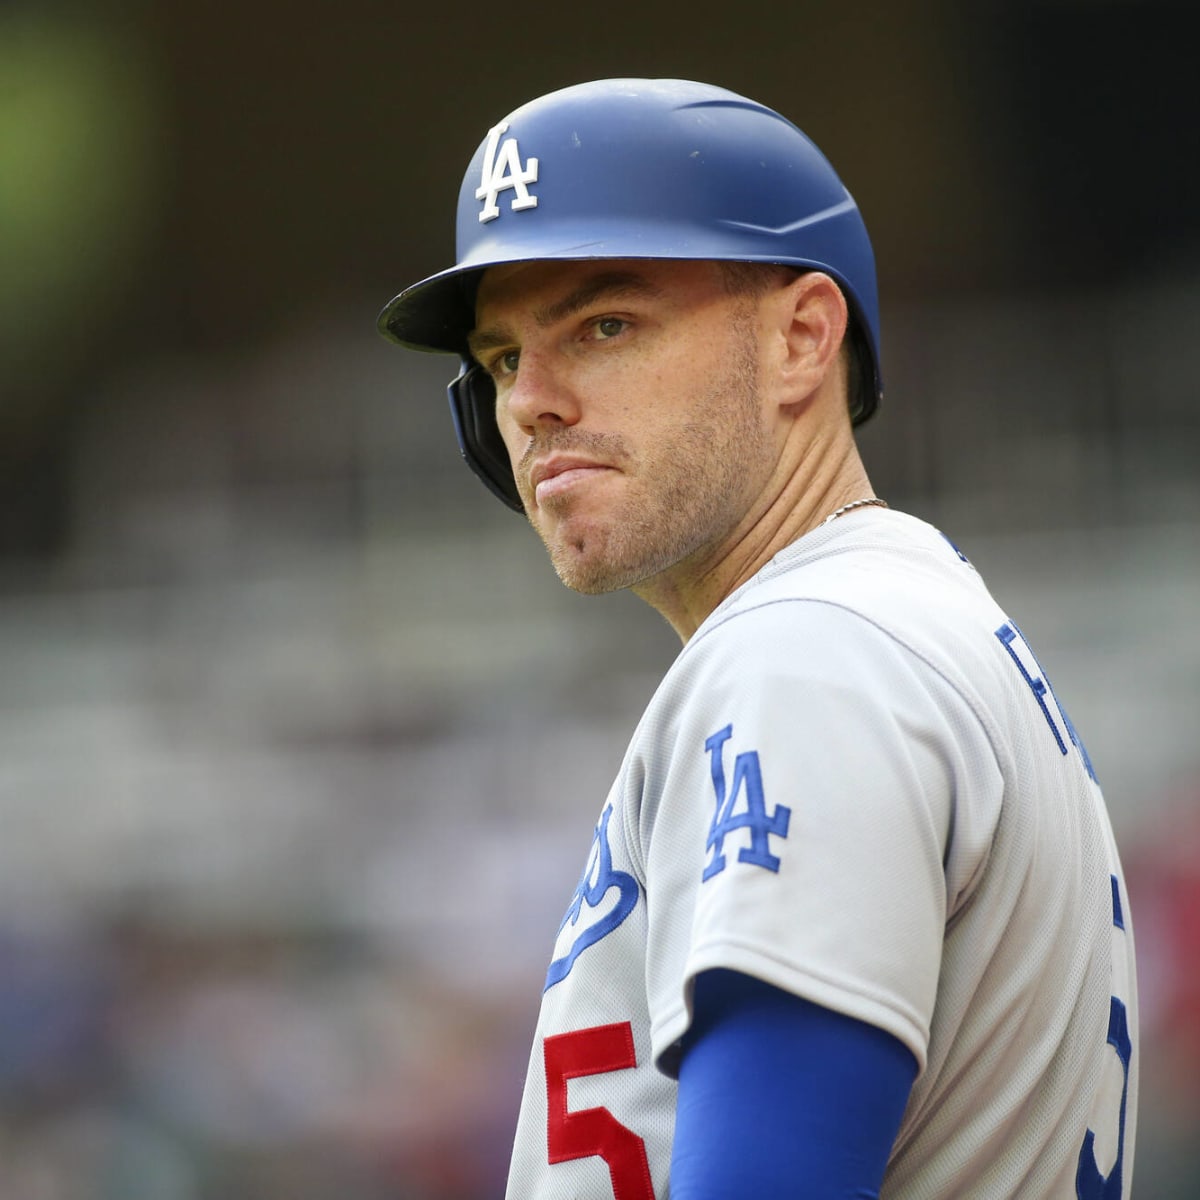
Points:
591	915
747	782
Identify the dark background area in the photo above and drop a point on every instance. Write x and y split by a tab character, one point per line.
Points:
227	173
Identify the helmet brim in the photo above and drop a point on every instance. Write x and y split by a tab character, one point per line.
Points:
435	315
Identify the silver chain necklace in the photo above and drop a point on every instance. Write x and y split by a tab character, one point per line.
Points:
866	502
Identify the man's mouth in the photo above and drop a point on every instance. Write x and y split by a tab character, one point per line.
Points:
558	474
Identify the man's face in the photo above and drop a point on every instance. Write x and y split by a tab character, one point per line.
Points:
627	395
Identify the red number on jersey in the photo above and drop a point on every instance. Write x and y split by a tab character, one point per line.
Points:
595	1132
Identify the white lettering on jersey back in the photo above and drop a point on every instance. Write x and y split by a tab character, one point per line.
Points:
502	169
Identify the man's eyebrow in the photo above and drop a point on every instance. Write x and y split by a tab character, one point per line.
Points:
481	340
609	285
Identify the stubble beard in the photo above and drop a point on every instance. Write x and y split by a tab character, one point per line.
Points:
677	507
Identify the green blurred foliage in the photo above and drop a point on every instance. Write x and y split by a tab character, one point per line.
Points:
80	150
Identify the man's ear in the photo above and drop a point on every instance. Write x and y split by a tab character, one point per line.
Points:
812	318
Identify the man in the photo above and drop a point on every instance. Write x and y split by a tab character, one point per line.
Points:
852	922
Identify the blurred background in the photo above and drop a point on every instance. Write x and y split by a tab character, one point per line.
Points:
301	742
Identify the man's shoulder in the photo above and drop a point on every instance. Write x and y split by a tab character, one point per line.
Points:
870	609
888	568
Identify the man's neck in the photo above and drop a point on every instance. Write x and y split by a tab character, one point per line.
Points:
688	592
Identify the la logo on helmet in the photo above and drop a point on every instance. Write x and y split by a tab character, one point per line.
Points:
502	170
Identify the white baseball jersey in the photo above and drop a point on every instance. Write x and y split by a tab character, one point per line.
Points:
857	784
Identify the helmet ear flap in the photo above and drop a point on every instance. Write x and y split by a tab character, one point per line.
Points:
473	407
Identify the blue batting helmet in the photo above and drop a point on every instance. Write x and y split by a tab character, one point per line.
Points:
634	168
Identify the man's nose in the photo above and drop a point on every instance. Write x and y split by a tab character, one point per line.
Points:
540	394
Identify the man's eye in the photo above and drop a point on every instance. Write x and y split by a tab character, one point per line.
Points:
609	327
506	363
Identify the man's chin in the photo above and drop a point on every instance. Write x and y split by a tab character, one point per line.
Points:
591	578
594	557
591	570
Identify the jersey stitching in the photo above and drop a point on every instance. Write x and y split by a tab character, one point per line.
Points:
980	716
883	999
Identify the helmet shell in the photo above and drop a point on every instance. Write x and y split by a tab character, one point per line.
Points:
635	168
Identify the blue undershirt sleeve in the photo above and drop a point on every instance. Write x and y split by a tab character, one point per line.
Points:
779	1097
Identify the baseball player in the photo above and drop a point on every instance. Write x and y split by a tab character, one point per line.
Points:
851	922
